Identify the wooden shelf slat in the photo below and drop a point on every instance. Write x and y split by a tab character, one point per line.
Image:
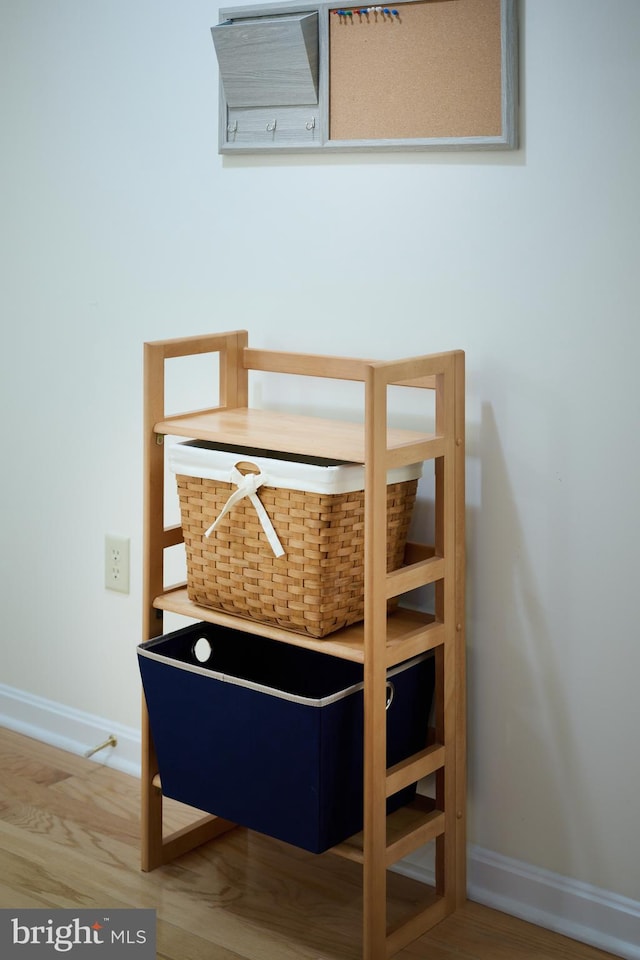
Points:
413	576
416	926
403	454
348	647
292	433
415	638
194	835
305	364
407	829
405	844
420	765
409	632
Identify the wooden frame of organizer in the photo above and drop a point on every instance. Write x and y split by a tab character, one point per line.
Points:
383	639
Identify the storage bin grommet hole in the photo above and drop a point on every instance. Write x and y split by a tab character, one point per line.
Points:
202	650
391	691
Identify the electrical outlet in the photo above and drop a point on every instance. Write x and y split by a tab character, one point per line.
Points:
116	563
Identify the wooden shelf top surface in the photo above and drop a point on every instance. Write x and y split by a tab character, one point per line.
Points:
348	644
285	432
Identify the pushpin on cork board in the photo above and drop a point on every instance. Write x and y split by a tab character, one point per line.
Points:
417	70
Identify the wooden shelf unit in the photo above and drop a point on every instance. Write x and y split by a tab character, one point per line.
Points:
381	640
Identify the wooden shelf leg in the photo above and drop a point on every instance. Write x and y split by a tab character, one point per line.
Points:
374	939
374	918
152	855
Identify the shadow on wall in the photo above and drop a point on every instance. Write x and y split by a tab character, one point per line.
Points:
528	791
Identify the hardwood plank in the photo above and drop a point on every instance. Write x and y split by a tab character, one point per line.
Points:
479	932
47	808
195	947
18	752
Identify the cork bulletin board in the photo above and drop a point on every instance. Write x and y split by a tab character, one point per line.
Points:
421	74
431	70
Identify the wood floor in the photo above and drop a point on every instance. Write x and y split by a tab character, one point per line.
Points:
69	837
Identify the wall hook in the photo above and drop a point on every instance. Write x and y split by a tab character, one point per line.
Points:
271	125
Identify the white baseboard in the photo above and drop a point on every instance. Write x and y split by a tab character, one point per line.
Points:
578	910
70	729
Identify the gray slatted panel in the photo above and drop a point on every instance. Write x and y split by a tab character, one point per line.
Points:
269	61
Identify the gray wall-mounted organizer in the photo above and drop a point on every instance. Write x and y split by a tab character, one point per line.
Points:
421	74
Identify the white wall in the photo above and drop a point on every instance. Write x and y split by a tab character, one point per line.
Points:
121	224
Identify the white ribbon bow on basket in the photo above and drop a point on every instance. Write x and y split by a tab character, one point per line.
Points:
247	486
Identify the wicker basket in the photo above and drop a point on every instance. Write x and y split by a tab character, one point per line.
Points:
317	585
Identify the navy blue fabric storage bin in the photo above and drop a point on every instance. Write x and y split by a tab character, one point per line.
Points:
270	735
